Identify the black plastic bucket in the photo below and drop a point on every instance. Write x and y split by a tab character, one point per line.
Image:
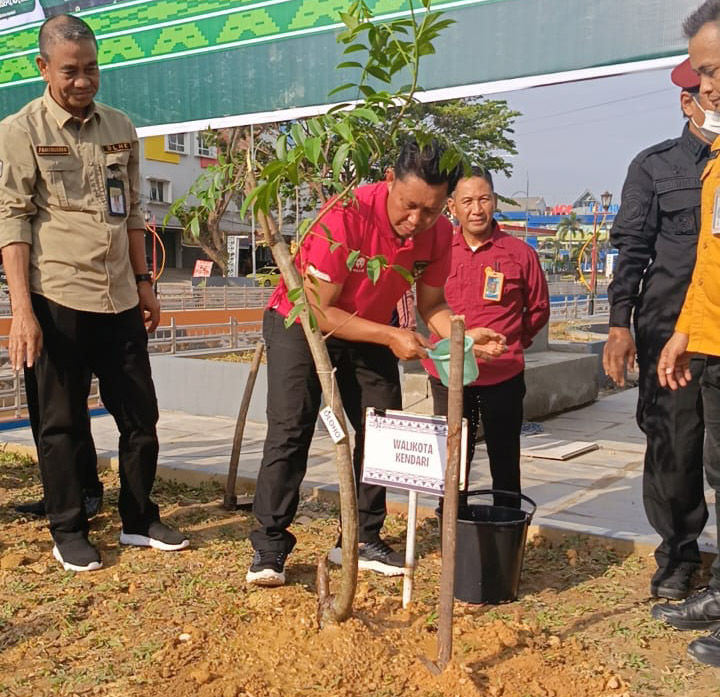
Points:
490	548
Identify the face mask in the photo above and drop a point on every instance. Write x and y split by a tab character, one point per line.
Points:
711	126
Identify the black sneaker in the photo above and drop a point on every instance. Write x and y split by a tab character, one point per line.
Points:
267	568
77	555
699	611
158	536
374	556
673	582
706	649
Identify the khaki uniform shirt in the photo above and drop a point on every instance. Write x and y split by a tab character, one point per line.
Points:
700	315
54	171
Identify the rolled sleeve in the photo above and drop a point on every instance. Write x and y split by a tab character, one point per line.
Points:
17	183
328	246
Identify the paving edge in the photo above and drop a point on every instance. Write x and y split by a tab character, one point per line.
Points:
331	494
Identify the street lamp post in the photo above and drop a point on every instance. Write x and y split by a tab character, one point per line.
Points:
606	200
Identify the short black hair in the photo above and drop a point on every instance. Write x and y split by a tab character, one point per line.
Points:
63	28
425	164
481	173
709	11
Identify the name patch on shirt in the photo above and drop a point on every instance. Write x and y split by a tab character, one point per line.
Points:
117	147
52	149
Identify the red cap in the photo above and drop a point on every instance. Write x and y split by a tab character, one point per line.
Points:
685	77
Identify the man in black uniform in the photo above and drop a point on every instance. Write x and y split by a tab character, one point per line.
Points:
656	231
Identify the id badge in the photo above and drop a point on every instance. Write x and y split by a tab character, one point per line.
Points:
116	197
494	281
716	214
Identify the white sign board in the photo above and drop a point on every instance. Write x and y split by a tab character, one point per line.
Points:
233	252
408	451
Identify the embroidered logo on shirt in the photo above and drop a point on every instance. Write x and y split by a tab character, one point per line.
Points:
359	264
52	149
117	147
418	268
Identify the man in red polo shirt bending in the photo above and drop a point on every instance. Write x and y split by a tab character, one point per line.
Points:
496	281
400	219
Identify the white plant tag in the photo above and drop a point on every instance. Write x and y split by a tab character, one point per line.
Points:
332	425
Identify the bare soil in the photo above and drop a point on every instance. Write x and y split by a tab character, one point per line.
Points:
186	624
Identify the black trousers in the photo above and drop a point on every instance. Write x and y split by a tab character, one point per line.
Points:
114	347
673	487
91	484
500	408
710	388
367	376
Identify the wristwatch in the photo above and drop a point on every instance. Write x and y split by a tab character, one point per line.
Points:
140	277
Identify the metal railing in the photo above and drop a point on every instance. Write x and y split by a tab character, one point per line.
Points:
578	308
205	338
185	297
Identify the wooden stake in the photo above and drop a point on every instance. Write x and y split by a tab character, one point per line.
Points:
450	504
230	500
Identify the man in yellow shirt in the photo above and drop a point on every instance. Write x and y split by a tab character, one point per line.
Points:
697	330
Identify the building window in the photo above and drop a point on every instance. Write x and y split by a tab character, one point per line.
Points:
203	147
159	190
176	143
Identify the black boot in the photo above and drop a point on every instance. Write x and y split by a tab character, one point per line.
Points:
707	649
699	611
673	581
32	508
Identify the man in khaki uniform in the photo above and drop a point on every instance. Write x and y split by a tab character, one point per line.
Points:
72	239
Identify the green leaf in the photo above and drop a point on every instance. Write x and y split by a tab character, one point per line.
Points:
374	268
352	257
298	135
281	147
343	129
354	48
378	73
295	294
404	273
449	160
367	114
313	147
350	21
195	227
294	314
349	64
346	86
339	159
335	246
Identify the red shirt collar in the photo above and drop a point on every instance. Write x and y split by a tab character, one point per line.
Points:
497	237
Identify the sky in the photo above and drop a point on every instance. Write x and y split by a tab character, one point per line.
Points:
583	135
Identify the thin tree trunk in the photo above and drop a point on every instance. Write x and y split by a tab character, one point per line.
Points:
230	500
450	493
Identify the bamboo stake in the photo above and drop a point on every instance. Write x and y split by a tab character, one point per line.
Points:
230	500
450	505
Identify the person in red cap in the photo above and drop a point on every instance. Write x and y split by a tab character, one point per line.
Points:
656	232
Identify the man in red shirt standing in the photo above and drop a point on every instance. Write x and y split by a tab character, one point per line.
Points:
496	281
400	219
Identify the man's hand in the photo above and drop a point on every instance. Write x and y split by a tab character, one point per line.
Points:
149	306
674	364
488	343
619	354
407	345
25	342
